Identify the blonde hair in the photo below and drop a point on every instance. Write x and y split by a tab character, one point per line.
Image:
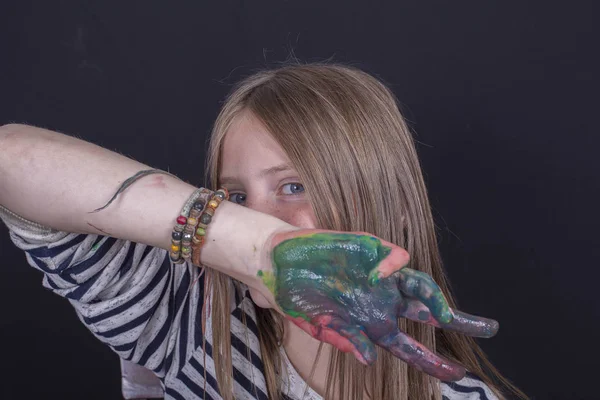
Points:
345	136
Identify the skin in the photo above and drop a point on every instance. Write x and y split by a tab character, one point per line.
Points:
345	289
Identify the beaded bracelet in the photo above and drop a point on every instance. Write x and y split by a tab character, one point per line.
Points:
205	219
193	207
190	227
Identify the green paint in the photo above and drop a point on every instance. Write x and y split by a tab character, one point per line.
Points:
326	271
440	308
268	279
374	277
297	314
331	261
350	254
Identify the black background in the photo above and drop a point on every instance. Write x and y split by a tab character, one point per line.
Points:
502	96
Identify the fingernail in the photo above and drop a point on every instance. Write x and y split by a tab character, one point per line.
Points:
374	277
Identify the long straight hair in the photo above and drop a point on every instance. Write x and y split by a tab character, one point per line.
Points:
344	134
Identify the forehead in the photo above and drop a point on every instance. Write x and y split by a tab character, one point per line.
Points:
248	147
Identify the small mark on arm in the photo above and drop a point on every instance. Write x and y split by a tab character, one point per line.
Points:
158	181
129	181
95	227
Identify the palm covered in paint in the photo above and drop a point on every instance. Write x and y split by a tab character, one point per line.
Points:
349	290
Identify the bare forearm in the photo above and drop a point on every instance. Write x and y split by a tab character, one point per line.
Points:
57	180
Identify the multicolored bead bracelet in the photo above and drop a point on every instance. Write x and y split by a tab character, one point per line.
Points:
205	219
192	221
183	231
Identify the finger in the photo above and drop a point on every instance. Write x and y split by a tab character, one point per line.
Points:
420	357
341	335
397	259
357	337
464	323
421	286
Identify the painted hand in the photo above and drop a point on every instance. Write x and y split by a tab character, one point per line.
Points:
349	289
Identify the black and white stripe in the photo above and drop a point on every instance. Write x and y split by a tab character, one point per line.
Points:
148	311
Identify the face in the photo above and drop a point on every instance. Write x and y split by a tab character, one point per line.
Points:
259	175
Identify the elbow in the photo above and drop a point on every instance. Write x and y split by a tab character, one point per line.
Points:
14	142
9	133
17	136
4	129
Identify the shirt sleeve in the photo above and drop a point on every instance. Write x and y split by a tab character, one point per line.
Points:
129	295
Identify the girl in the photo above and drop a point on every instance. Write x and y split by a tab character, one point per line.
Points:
310	152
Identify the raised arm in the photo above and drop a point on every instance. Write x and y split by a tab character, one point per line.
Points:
347	289
57	180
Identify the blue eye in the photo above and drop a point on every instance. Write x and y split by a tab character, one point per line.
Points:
237	198
292	188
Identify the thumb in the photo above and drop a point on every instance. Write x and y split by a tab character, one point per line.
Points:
397	259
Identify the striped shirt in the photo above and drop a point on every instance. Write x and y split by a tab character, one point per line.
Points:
147	310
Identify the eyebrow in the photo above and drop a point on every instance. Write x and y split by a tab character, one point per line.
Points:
265	172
